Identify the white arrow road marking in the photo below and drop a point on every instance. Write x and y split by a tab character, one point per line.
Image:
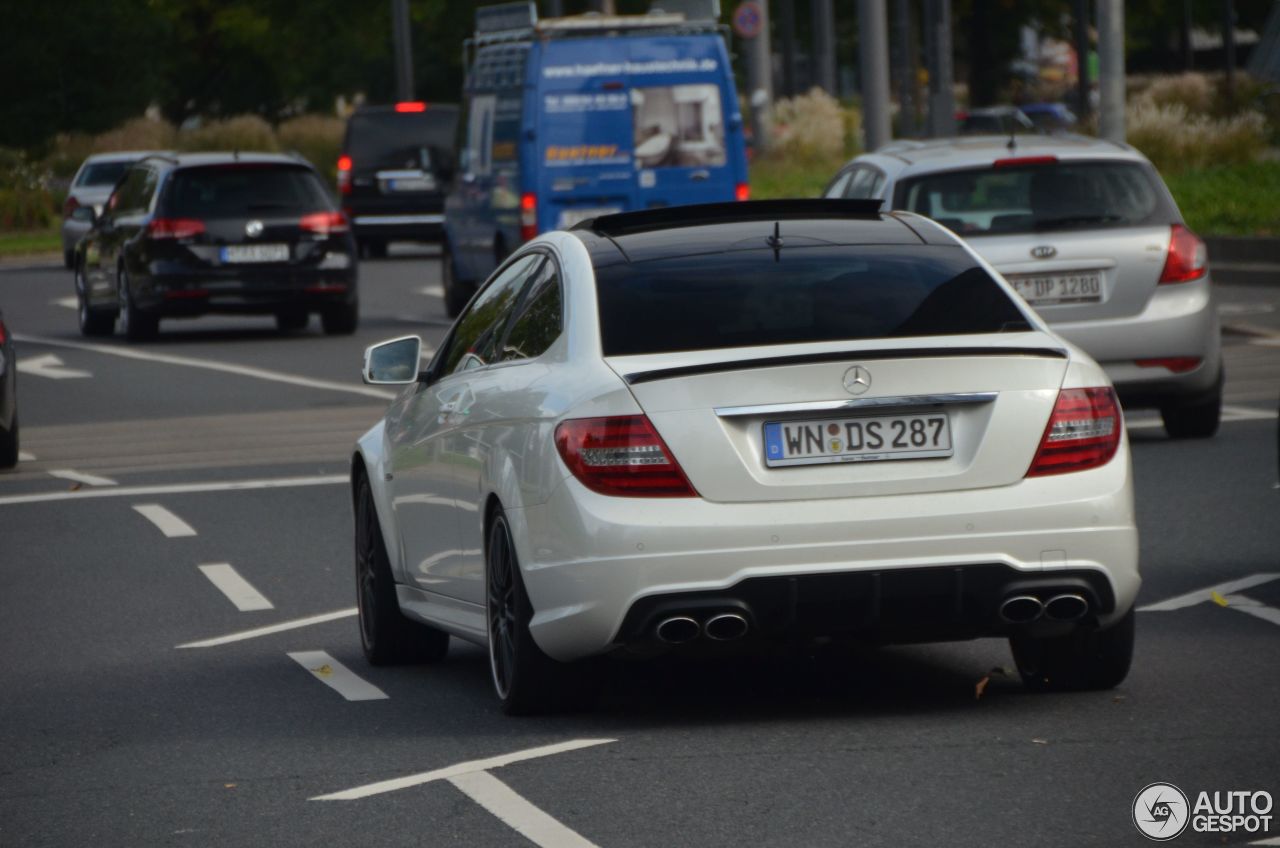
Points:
1200	596
81	477
270	629
179	489
49	365
459	769
337	676
238	590
170	525
517	813
72	302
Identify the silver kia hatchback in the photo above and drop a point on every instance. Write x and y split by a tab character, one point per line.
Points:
1088	234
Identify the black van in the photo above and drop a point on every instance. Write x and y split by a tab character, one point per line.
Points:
395	163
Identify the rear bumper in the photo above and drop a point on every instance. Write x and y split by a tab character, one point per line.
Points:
181	292
597	567
1179	320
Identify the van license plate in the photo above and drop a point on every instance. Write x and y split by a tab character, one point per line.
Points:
866	439
569	217
410	184
1051	289
234	254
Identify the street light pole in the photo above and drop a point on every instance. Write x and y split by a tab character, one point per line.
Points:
873	57
1111	70
403	49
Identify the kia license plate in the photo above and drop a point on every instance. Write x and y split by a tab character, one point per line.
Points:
242	253
863	439
1055	289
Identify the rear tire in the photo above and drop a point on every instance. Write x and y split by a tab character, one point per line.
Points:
135	325
373	249
1197	420
1085	659
386	636
456	292
341	320
9	445
69	258
292	321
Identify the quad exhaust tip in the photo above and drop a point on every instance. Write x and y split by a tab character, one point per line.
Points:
678	629
726	626
1066	608
1021	609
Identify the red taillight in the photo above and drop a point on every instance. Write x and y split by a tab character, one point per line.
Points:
70	205
742	191
411	106
4	334
344	174
1176	364
623	456
1015	161
174	228
1187	260
528	216
324	223
1083	432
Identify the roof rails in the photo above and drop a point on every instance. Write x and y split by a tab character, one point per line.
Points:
668	217
165	155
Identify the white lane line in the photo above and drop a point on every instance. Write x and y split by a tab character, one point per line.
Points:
170	525
23	456
1245	604
516	812
1246	413
80	477
179	489
51	366
1273	841
238	590
337	676
72	302
1200	596
282	627
461	768
213	365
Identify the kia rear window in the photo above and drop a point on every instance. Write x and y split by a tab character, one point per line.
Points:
229	191
102	174
1039	197
401	139
800	294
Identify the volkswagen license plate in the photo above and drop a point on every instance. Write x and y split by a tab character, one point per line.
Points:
865	439
1051	289
238	253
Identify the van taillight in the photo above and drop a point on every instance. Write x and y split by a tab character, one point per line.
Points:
324	223
411	106
528	216
344	174
742	191
1187	259
621	455
174	228
1083	432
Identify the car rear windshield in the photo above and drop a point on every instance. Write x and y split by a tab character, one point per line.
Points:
401	139
102	173
1038	197
800	294
228	191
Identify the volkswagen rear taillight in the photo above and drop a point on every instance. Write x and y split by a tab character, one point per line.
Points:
324	223
1187	260
174	228
1083	432
528	216
621	455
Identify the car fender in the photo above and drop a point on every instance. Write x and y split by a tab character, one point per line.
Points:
370	451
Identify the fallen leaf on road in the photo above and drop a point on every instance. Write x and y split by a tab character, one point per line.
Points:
1218	599
324	670
75	487
980	687
229	786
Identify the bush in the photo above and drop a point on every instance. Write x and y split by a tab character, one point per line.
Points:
317	137
1175	140
243	132
1192	91
25	208
809	127
137	134
1242	200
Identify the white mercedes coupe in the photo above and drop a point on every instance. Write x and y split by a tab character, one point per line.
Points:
761	422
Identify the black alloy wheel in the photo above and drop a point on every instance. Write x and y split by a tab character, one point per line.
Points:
386	636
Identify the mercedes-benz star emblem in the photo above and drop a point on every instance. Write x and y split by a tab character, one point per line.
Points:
857	380
1044	251
253	229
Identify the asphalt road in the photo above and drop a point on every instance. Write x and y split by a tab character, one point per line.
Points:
189	493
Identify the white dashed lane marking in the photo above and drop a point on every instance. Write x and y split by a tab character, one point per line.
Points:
270	629
169	524
516	812
80	477
337	676
236	588
178	489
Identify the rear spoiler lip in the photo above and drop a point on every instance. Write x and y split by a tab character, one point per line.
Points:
638	377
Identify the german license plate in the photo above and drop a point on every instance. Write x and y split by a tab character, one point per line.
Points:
238	253
410	184
1050	289
569	217
865	439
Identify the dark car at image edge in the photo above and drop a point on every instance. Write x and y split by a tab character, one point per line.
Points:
217	233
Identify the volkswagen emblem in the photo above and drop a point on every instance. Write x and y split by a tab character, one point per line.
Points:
857	380
253	229
1044	251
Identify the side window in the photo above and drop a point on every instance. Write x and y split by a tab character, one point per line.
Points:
836	189
863	184
538	322
480	328
132	197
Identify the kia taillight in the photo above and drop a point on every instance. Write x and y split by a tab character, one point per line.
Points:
344	174
528	216
1083	432
1176	364
174	228
742	191
70	205
1020	161
1187	259
622	455
324	223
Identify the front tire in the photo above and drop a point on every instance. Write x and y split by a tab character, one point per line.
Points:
1085	659
1198	420
386	636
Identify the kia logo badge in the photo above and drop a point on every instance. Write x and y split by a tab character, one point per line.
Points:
1044	251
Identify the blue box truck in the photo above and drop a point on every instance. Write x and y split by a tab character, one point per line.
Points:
569	118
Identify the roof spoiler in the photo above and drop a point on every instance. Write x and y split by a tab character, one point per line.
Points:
667	217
